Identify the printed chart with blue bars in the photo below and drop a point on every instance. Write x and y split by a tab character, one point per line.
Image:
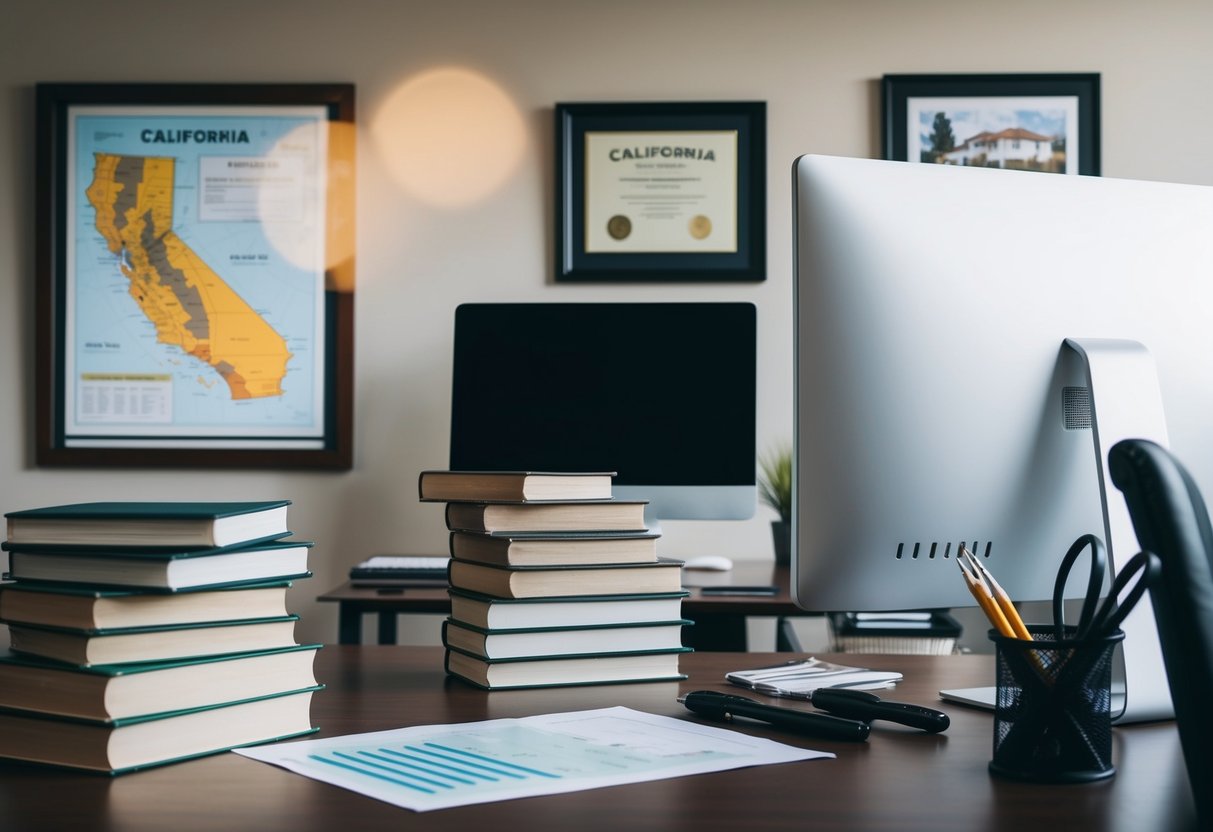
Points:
431	767
439	766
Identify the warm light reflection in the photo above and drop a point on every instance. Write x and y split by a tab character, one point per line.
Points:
310	223
449	136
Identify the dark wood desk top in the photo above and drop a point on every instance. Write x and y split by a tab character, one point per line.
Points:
899	780
747	573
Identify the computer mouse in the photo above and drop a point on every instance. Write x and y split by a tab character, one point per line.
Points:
714	563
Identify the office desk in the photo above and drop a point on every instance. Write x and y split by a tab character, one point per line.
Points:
719	620
899	780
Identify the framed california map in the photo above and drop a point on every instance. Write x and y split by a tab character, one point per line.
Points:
195	275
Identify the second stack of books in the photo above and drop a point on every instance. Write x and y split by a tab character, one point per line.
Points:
553	582
143	633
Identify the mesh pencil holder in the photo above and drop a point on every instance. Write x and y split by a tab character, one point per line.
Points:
1053	711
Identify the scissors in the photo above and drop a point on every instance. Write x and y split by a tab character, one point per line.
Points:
1098	621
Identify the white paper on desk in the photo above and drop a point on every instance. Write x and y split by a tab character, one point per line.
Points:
440	766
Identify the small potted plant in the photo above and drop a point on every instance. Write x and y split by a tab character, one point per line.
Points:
775	489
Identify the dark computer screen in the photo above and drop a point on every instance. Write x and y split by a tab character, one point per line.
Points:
662	393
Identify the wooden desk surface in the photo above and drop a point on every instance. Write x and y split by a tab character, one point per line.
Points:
431	599
900	780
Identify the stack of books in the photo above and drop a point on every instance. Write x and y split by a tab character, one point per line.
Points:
145	633
553	582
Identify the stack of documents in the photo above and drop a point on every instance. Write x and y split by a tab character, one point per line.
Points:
797	679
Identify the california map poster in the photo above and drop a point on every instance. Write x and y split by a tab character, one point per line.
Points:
194	308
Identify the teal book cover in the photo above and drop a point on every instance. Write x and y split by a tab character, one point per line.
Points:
153	552
167	628
146	510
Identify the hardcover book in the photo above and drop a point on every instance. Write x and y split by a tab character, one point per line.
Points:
576	641
577	670
88	608
109	692
122	745
533	582
153	644
555	550
489	613
590	515
186	524
513	486
165	570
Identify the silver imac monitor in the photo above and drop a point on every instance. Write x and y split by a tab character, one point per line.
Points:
661	393
969	342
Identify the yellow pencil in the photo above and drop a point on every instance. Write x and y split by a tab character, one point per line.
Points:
985	600
1005	604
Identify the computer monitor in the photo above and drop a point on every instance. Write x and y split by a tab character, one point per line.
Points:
661	393
937	401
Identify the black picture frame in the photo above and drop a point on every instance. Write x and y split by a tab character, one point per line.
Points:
744	261
1073	95
61	191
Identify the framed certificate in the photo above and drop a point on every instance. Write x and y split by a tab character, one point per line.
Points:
661	191
194	273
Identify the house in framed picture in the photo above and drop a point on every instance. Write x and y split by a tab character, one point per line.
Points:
1014	147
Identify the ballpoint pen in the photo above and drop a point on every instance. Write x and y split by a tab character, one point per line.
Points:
723	706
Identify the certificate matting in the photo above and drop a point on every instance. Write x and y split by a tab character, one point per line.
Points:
661	191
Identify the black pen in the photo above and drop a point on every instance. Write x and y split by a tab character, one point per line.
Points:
859	704
714	705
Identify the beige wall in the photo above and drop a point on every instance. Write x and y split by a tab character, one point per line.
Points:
816	64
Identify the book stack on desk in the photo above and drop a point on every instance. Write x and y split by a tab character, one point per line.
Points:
145	633
553	582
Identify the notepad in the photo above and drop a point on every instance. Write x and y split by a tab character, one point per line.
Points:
798	679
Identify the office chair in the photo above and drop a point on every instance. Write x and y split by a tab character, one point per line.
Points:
1171	520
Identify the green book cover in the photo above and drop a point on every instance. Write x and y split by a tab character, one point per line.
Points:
663	677
679	622
56	586
90	733
120	631
135	720
91	591
580	599
572	657
152	552
660	563
187	525
135	510
113	670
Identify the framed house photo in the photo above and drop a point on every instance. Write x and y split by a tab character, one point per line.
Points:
195	275
1038	122
661	191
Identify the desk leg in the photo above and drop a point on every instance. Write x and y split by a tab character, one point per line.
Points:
786	640
349	624
387	627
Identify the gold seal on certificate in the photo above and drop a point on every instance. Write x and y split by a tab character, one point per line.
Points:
619	227
670	192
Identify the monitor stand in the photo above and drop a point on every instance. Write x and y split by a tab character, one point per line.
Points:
1126	403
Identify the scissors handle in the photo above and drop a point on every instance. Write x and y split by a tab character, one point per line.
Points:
1113	611
1099	567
